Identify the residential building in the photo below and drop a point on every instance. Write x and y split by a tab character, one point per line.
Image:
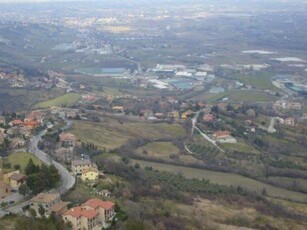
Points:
186	114
82	218
67	140
208	117
118	109
2	120
71	114
16	179
294	105
221	135
90	175
159	115
31	124
106	209
51	202
146	113
289	121
16	123
17	143
77	166
173	114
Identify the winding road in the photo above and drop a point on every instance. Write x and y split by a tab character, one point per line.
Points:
67	180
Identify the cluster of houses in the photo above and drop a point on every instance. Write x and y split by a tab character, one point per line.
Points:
287	105
52	79
91	215
20	129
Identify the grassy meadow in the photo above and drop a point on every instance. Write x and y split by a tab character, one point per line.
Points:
110	133
64	100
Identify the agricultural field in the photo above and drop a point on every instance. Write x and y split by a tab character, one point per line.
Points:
228	179
241	146
64	100
218	215
21	159
259	81
236	95
112	133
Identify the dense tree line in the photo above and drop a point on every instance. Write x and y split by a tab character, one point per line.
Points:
42	177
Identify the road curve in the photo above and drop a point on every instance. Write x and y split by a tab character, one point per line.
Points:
67	179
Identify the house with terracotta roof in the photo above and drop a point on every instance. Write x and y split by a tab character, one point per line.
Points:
82	218
51	202
67	140
16	123
208	117
221	135
106	209
31	124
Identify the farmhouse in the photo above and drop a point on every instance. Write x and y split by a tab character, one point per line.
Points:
221	135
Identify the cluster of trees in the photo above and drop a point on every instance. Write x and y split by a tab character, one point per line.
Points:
49	141
4	147
42	177
191	185
89	149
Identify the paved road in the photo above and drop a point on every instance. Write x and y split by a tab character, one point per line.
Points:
67	179
271	128
194	121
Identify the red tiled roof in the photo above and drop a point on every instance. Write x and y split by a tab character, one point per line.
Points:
17	122
222	133
31	123
67	137
79	211
94	203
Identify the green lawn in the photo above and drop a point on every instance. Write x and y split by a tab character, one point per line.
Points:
68	99
260	81
160	150
110	133
241	146
21	159
226	179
